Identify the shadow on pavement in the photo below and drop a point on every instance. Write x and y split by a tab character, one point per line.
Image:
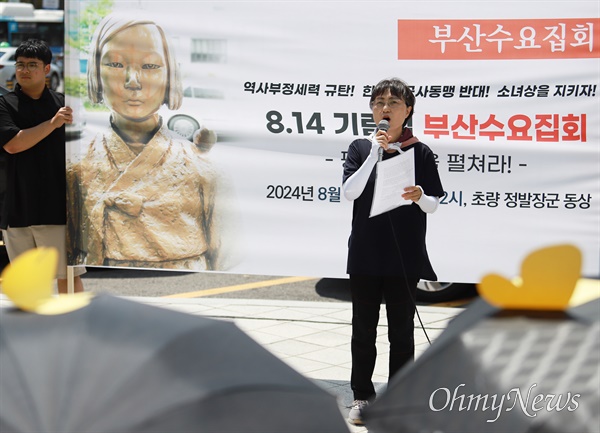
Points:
107	273
334	288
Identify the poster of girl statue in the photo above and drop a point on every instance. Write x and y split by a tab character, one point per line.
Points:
143	196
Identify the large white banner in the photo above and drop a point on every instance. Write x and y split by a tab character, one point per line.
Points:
506	96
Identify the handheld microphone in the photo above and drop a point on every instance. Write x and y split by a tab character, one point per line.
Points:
383	125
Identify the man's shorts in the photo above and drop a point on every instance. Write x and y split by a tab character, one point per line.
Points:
21	239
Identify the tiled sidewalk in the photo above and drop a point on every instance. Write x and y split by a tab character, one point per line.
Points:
312	337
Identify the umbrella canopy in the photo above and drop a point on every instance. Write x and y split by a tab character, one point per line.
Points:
504	373
504	370
121	366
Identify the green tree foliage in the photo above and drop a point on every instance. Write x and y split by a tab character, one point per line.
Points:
83	26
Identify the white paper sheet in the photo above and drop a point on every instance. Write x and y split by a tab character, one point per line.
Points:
393	175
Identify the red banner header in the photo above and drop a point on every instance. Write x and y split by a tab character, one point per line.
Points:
499	39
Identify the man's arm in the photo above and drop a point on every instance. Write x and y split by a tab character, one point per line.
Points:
27	138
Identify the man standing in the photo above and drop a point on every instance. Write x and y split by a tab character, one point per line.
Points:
32	134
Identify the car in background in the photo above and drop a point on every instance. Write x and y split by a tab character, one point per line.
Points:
7	70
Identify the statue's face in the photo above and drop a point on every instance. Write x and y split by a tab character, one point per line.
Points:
133	72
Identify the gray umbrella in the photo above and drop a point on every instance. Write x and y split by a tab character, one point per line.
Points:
121	366
500	371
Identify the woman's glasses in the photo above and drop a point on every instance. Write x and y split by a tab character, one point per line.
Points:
391	103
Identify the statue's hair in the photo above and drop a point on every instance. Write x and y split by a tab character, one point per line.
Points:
110	26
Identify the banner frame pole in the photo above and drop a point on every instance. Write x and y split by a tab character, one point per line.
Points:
70	280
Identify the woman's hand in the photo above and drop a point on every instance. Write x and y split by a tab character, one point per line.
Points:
383	139
413	193
379	142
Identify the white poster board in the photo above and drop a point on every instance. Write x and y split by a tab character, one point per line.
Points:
507	98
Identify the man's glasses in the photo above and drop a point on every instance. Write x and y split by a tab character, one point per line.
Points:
31	66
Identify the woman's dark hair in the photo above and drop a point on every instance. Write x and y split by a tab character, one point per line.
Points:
34	49
397	88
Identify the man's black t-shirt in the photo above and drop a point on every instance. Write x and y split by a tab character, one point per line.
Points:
35	178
